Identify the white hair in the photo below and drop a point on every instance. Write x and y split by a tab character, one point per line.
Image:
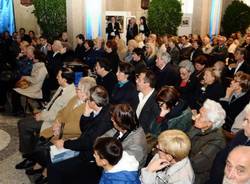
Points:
215	113
247	108
188	65
164	56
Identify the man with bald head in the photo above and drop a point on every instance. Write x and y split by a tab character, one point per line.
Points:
241	138
237	170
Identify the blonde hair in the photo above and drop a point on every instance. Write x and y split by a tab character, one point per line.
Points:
132	43
153	48
176	143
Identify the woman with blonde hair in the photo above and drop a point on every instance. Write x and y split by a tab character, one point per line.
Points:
150	55
121	48
132	44
171	163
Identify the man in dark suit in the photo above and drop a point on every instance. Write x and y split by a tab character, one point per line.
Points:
147	108
241	138
105	76
240	65
167	73
113	29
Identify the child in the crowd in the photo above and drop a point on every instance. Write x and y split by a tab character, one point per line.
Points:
119	167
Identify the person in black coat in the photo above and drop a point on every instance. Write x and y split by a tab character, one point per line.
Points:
165	72
132	29
138	60
125	91
105	76
210	88
147	108
80	49
112	55
113	29
143	27
240	65
94	122
241	138
89	54
236	98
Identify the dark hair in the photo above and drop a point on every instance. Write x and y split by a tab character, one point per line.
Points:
149	77
99	95
124	116
39	55
104	63
202	60
43	37
243	79
126	68
109	148
144	19
22	29
112	44
81	37
67	74
90	43
169	95
139	52
242	51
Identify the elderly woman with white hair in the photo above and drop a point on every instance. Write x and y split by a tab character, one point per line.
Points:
188	82
207	138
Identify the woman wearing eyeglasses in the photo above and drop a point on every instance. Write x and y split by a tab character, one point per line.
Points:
171	163
174	114
236	98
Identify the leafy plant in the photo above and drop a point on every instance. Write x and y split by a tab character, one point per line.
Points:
51	16
236	18
164	16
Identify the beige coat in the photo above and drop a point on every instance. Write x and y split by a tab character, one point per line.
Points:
70	115
36	79
49	116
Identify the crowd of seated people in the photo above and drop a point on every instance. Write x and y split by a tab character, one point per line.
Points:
144	95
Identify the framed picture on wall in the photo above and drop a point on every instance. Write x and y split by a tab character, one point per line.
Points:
185	22
119	19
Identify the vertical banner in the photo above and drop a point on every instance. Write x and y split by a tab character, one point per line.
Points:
93	10
215	17
7	22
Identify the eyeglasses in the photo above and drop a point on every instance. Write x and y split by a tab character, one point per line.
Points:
161	104
156	148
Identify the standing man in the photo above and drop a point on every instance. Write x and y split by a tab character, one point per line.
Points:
113	29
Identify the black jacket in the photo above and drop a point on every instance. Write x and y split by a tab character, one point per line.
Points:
149	112
108	81
169	75
217	170
126	93
91	128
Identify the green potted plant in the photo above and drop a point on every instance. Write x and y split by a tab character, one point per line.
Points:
164	16
236	18
51	16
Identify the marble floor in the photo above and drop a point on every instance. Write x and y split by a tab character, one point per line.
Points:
9	154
